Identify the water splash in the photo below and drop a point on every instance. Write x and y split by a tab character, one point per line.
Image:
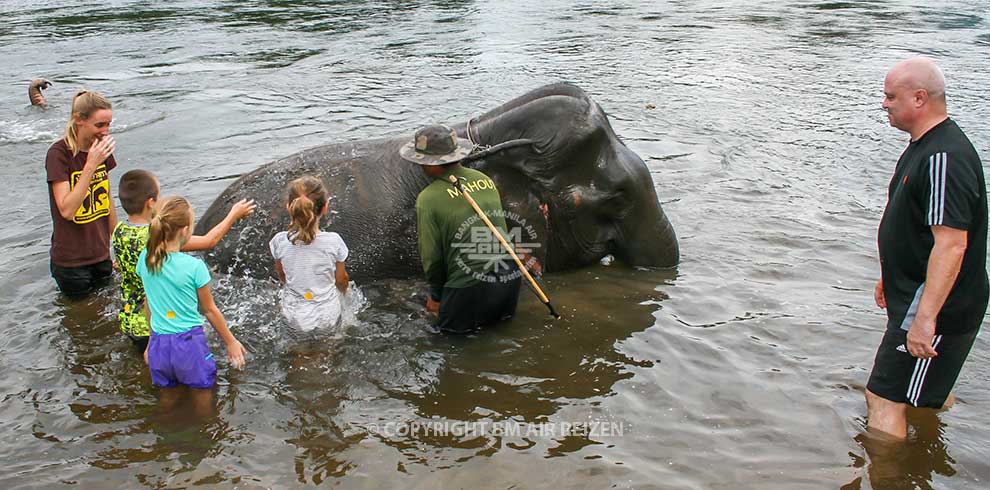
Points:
351	303
15	131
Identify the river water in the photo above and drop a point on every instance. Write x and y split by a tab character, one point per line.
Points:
744	367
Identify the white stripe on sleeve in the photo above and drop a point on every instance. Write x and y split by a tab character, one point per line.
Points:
937	164
941	193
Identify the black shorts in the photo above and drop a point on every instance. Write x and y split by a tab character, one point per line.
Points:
76	282
140	343
464	310
900	377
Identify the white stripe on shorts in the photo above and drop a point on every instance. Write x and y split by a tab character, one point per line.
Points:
918	377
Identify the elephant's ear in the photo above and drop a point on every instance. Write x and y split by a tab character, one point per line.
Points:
564	131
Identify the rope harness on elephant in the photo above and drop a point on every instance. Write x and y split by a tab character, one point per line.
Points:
481	151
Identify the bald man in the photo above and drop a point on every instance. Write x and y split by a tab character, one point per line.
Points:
933	249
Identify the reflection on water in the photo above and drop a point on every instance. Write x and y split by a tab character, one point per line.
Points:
907	464
337	392
744	368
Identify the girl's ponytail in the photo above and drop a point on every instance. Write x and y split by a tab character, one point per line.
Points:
307	197
167	220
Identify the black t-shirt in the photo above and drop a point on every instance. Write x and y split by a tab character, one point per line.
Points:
938	182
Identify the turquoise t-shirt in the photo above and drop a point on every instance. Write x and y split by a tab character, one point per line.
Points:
171	292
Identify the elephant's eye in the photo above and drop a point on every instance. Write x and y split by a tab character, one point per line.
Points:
615	206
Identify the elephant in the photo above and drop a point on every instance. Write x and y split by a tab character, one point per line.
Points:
563	175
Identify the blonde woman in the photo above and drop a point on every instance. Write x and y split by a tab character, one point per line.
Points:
83	214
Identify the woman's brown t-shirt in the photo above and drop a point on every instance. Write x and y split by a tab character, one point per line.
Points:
85	239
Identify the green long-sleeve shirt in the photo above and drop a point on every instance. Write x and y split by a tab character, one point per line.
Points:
454	243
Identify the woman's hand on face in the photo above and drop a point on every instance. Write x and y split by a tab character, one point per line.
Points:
100	150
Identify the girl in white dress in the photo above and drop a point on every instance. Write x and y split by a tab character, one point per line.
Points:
310	262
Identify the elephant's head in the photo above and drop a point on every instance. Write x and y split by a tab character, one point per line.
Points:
592	195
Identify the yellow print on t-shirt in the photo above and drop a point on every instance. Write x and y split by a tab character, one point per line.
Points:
96	204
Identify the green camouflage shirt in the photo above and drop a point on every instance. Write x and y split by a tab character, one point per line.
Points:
128	242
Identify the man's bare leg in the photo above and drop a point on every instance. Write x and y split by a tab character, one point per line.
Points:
949	402
886	416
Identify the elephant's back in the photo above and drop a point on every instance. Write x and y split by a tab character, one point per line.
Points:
371	199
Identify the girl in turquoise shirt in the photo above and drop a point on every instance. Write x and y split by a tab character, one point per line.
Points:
177	288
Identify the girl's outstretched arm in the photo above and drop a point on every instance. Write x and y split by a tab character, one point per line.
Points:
240	209
235	351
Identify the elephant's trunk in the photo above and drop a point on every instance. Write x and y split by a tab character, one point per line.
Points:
647	243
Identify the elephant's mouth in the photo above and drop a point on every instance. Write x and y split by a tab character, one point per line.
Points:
574	239
579	235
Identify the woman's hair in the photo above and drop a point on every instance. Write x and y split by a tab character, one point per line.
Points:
167	220
307	196
84	104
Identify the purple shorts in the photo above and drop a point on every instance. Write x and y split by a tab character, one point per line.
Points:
181	358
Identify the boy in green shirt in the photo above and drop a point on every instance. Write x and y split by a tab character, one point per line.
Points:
138	192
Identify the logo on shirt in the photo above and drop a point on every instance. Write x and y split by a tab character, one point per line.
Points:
96	204
471	186
474	242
